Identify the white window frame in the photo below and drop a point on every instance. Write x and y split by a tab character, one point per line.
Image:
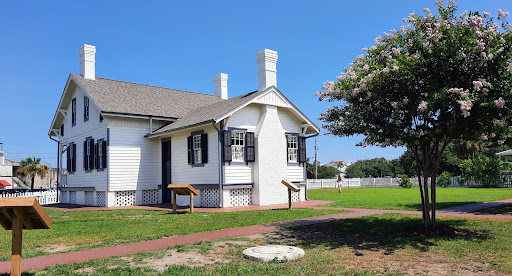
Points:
293	148
238	146
88	155
196	149
100	155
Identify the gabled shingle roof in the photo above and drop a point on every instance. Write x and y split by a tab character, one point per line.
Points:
139	99
208	113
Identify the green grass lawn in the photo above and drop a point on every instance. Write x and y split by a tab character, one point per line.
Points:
406	199
505	209
388	244
77	230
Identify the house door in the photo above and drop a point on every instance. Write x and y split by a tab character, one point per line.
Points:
166	169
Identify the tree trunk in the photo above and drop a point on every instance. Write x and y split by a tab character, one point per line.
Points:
32	183
433	195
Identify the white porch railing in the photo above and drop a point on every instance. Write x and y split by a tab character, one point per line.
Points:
44	197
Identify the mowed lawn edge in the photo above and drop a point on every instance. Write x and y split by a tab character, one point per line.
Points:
406	199
79	230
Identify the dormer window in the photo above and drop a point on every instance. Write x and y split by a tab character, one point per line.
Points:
86	108
73	112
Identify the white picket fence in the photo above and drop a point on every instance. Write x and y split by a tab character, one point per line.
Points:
44	197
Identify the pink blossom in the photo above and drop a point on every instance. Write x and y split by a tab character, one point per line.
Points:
405	100
385	70
366	67
396	51
500	142
465	107
483	54
490	56
477	84
500	103
355	91
486	14
455	90
395	68
493	135
480	46
422	106
475	21
509	68
484	137
394	105
502	14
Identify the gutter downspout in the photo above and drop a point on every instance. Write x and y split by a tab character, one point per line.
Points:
219	151
306	191
58	165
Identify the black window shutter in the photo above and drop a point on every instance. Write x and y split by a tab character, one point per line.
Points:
92	156
74	158
68	158
190	151
104	153
86	161
96	156
227	146
302	149
250	154
204	147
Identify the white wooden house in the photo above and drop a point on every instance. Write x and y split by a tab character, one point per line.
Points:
122	143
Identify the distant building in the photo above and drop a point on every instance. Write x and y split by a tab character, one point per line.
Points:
340	165
7	169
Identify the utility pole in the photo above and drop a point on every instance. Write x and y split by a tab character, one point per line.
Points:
316	165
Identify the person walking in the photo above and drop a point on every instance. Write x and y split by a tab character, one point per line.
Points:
340	182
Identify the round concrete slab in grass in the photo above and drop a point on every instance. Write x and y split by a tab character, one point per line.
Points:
270	253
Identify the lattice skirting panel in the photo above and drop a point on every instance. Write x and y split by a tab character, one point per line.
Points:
64	197
150	196
241	197
209	197
101	199
72	197
89	198
295	196
125	198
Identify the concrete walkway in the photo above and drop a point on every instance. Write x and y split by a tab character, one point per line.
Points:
37	263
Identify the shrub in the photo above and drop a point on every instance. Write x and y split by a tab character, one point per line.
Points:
405	181
444	179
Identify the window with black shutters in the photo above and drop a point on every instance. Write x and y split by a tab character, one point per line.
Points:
73	112
296	148
89	151
86	108
100	155
239	146
197	144
71	158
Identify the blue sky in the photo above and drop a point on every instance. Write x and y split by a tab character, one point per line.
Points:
182	45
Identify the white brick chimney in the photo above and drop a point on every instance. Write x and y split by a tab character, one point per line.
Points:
266	60
87	61
220	86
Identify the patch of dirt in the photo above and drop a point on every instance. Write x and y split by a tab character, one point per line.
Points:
441	230
190	258
57	247
88	270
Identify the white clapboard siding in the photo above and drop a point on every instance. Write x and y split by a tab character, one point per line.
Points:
295	173
182	172
71	132
289	122
245	118
81	178
135	161
238	173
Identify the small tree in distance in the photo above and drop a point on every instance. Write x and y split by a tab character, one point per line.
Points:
439	78
31	167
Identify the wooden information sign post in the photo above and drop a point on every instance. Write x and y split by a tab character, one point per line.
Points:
291	187
182	189
17	214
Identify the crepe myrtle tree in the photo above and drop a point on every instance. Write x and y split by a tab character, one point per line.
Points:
437	79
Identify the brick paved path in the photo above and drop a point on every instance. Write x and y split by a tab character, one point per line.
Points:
36	263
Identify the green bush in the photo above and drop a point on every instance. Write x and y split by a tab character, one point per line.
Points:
444	179
405	181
